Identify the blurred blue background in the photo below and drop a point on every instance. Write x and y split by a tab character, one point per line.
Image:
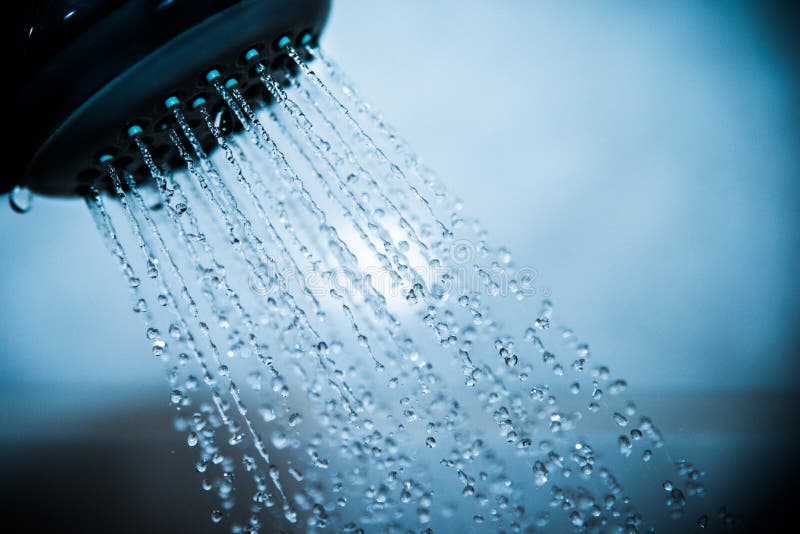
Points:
641	156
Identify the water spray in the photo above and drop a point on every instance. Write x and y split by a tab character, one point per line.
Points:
325	311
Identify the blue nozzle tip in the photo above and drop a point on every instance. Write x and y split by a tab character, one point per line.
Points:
231	83
306	38
134	130
105	158
284	41
251	54
199	101
212	75
172	102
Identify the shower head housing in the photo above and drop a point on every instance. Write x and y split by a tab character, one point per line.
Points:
85	71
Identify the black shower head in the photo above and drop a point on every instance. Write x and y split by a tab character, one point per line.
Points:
84	71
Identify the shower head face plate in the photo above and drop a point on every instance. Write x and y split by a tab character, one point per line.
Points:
127	65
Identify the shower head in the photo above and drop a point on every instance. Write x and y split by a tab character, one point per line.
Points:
85	71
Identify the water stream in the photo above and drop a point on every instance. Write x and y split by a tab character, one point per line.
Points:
347	349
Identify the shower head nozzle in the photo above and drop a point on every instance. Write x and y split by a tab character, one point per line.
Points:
85	72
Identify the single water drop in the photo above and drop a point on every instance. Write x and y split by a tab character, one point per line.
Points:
140	306
295	419
20	199
624	445
174	331
620	419
542	323
539	473
423	515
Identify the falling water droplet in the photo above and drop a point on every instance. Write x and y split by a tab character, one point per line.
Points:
540	473
624	445
620	419
295	419
216	516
